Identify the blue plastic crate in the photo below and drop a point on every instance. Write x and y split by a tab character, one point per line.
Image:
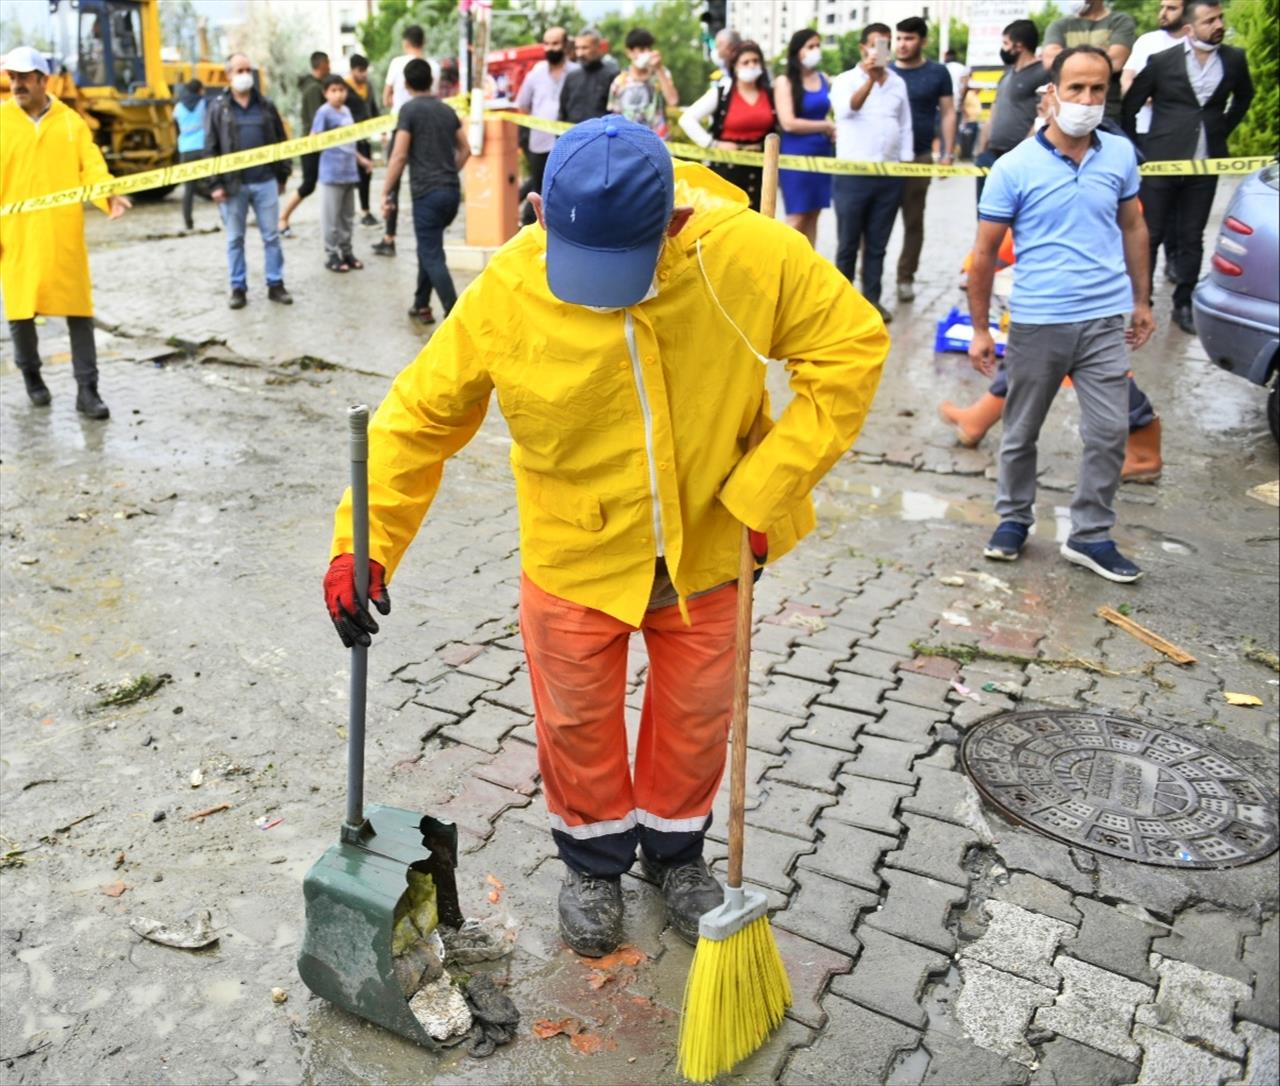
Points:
955	333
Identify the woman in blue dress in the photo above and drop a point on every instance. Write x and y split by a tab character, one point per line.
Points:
803	100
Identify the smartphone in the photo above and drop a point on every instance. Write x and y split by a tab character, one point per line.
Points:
882	52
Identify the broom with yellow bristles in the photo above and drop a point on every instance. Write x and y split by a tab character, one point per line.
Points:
737	989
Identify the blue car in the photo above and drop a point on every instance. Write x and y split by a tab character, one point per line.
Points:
1237	305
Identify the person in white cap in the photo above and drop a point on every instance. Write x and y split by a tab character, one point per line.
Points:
45	146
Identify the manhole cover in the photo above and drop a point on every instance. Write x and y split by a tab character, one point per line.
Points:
1122	787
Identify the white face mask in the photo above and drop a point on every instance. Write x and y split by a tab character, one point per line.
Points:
1077	120
642	60
242	81
1081	6
1203	46
653	293
750	75
811	58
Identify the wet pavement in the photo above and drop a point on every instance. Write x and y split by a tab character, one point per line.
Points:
928	938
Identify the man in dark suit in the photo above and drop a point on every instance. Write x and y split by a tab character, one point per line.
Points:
1199	90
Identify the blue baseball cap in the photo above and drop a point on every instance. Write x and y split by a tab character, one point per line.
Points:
608	193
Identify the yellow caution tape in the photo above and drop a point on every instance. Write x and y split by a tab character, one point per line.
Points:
260	156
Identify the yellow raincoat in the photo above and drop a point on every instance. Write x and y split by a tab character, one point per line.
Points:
629	427
44	264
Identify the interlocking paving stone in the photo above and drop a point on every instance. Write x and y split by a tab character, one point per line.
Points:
776	639
1263	1065
937	667
855	692
767	728
1168	1061
933	848
1064	1062
765	1064
890	976
810	766
492	663
835	638
1020	942
809	966
1022	850
944	794
884	759
825	911
848	853
784	808
895	637
479	804
955	1060
872	663
835	728
807	663
785	694
454	692
916	908
1210	938
767	856
907	723
857	1046
1196	1005
515	767
1113	940
927	693
1262	956
486	726
994	1008
868	803
1039	896
517	694
1096	1007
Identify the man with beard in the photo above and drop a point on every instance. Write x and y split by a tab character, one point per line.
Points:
1199	92
585	93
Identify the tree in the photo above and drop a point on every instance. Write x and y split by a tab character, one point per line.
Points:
275	40
957	39
179	26
1255	28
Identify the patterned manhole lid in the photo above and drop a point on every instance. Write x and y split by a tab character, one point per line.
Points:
1122	787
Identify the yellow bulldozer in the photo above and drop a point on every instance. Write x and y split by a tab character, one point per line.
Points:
118	81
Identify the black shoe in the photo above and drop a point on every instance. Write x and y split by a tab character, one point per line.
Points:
1183	318
689	890
591	914
367	219
277	293
885	315
238	299
37	390
189	225
1169	276
88	402
384	248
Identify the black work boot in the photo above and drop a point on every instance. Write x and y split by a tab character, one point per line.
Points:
591	914
239	299
689	890
88	402
277	293
37	390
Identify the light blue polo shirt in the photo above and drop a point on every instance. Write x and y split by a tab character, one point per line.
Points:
1070	252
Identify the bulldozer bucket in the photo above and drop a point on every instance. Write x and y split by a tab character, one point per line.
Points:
351	895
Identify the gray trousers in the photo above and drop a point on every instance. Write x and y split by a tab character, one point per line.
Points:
338	213
1093	354
84	351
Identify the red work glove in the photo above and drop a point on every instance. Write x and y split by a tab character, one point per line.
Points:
353	623
759	543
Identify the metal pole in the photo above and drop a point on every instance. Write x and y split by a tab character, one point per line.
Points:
358	420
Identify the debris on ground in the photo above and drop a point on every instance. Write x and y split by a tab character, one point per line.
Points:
119	862
1267	493
195	933
114	889
549	1027
1009	690
494	1016
197	778
128	691
416	916
1233	698
267	822
1261	656
624	955
952	582
1147	637
496	888
279	995
215	809
964	691
481	939
421	962
13	855
441	1009
955	618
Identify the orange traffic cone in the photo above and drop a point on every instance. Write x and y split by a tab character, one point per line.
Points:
972	423
1142	462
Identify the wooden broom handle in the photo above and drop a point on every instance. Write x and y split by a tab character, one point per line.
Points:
746	586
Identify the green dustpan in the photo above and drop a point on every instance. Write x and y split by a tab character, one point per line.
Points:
353	890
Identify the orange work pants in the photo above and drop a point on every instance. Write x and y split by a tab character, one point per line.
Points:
578	669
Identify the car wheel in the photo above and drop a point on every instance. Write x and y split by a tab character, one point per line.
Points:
1273	409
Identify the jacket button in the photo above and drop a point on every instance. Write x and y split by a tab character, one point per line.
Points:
622	365
648	360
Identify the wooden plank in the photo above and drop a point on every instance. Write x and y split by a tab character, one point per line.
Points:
1154	640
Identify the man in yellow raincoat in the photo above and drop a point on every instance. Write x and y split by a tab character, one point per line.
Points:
624	337
45	146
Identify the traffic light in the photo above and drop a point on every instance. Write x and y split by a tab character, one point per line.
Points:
715	16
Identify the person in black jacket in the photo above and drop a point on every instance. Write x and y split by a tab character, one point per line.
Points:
1199	91
238	120
585	93
363	104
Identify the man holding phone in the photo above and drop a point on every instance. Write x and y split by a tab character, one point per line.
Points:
873	124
